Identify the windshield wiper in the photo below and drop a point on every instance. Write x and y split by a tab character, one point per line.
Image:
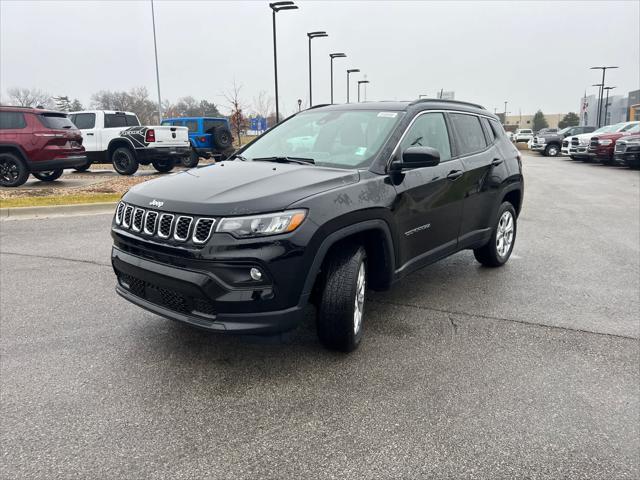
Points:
300	160
236	155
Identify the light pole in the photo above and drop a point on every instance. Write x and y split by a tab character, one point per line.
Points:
275	8
606	103
599	85
155	48
505	112
360	82
349	72
604	70
311	36
332	56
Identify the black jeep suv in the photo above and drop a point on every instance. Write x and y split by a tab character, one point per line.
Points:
332	201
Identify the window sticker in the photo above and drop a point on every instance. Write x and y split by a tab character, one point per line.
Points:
361	151
388	114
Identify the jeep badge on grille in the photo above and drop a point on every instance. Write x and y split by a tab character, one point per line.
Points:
156	203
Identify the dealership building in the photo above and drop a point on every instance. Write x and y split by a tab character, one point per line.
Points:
621	108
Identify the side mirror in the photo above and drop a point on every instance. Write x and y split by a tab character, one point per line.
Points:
417	157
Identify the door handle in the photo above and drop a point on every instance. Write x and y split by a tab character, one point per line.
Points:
90	134
496	162
455	174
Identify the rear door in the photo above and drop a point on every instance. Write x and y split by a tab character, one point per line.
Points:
482	160
428	206
86	123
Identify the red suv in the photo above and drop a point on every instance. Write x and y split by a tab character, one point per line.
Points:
36	141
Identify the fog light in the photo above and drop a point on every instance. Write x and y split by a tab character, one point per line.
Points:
256	274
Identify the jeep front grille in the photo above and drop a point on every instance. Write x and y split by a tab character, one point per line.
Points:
575	142
165	226
621	147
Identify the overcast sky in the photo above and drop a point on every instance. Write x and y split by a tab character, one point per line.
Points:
532	54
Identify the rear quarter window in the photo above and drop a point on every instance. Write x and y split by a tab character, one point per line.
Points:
209	125
192	125
470	137
489	131
113	120
84	121
12	120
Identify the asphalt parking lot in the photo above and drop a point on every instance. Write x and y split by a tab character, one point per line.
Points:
529	371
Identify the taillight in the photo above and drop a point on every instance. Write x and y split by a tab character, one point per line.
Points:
150	136
203	139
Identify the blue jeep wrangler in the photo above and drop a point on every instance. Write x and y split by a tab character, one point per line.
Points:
209	137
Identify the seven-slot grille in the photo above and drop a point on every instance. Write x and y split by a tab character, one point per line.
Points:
180	228
575	142
621	147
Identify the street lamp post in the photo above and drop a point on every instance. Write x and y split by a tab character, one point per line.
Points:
599	85
360	82
311	36
604	70
155	48
349	72
276	7
332	56
606	104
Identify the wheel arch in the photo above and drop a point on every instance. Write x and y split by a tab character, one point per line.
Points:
15	149
120	142
375	236
514	197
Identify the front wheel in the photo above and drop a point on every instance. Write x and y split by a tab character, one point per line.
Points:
342	306
498	250
48	176
551	151
163	166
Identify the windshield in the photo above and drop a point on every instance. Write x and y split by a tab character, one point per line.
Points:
565	130
608	128
629	128
342	139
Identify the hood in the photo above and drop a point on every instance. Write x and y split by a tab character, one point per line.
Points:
631	138
238	188
611	136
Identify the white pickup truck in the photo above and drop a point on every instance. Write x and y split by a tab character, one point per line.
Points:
117	137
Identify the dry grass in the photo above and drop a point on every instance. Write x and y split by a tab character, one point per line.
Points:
59	200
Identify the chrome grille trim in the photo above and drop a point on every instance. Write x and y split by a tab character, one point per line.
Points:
153	216
119	211
128	216
176	236
138	220
160	223
200	240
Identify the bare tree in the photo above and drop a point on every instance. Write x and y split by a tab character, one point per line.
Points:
237	119
29	97
263	104
135	100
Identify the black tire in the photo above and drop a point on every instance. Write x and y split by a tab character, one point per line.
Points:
489	255
84	167
336	322
124	161
13	171
572	157
552	150
163	166
222	138
192	160
49	176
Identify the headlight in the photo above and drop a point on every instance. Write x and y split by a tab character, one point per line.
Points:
262	225
605	142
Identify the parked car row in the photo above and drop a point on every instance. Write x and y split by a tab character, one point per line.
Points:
44	142
617	144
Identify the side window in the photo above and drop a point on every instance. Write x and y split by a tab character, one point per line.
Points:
469	133
84	121
12	120
429	130
112	120
192	125
487	128
497	129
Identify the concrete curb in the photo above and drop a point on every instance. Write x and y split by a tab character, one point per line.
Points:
17	213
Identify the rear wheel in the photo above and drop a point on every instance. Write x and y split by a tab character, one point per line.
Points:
48	176
342	306
124	161
498	250
192	160
163	166
13	171
551	151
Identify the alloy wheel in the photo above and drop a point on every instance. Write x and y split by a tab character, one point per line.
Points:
504	237
9	171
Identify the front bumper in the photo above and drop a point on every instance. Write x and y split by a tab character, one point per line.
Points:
57	163
538	147
628	158
194	297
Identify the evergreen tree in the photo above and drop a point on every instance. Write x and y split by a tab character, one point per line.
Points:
569	120
539	121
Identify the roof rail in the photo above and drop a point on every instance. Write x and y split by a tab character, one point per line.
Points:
441	100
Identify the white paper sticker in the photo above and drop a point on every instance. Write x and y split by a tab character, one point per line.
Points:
388	114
